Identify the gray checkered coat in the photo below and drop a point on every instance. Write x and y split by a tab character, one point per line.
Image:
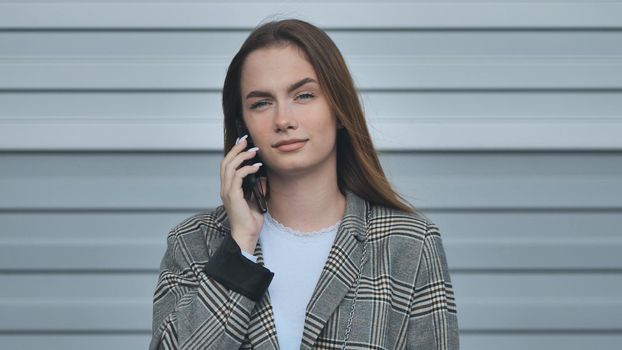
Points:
405	298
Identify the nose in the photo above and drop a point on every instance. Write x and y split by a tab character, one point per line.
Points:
283	118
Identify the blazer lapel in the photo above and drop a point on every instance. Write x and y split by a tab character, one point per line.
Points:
340	270
339	274
262	332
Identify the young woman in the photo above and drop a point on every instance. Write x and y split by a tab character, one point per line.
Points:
338	260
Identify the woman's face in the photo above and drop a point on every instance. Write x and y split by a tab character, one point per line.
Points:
282	100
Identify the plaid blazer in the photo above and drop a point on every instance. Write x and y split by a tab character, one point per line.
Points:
404	300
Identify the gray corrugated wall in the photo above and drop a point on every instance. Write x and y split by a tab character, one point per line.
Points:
500	120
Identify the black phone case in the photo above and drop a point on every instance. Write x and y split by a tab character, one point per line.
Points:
250	183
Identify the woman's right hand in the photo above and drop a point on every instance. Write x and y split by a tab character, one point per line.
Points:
244	216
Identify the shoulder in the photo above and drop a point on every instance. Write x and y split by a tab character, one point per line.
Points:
198	235
403	240
207	222
385	221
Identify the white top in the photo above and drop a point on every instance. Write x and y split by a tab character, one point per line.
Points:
297	259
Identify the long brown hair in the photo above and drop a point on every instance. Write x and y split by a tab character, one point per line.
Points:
358	167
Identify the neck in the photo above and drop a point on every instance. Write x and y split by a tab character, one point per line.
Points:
306	203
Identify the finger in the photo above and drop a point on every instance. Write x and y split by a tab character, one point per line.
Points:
234	165
241	173
236	157
237	148
235	151
240	144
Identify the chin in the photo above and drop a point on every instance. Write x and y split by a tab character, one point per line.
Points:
291	168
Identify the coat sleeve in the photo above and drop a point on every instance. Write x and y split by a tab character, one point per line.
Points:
433	322
204	304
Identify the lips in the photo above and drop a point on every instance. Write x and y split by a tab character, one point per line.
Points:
289	147
287	142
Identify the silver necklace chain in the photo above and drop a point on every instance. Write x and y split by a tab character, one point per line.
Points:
356	291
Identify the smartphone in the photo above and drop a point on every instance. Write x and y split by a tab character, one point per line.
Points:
251	183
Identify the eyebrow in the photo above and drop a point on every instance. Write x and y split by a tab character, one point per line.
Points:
291	88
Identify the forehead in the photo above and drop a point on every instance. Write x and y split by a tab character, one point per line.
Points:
275	67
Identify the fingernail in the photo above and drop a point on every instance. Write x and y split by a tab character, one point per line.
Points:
237	140
242	138
252	149
258	164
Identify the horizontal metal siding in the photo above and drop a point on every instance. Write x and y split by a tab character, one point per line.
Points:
499	120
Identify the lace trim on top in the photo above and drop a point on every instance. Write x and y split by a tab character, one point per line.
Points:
295	232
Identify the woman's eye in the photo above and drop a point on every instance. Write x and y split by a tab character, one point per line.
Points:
258	104
262	103
306	94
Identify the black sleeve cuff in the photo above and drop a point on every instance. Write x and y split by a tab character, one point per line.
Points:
229	267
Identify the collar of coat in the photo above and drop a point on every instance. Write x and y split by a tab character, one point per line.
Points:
338	276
